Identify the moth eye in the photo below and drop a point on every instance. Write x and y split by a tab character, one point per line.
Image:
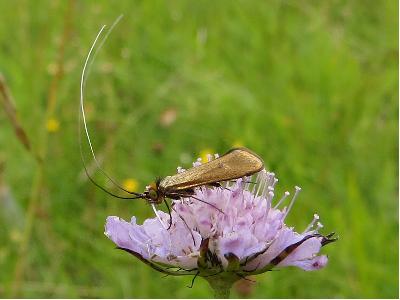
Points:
153	194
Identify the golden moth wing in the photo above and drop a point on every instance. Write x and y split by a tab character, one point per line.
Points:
236	163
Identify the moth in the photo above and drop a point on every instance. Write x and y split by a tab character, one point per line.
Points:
236	163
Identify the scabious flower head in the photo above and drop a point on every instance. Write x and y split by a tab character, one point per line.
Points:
223	233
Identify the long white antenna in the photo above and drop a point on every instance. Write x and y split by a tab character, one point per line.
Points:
100	45
81	90
82	87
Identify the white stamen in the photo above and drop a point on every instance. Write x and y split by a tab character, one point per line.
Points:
262	182
158	216
271	178
247	180
225	184
255	184
264	185
319	226
260	186
298	189
216	155
285	195
271	196
275	181
197	163
265	191
209	157
268	178
311	225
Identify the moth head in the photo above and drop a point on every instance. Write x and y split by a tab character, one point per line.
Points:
152	193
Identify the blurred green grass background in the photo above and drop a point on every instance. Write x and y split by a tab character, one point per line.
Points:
311	86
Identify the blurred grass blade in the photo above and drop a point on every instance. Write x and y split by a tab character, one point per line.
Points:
11	112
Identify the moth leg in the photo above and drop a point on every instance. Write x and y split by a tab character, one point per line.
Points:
214	184
190	195
180	194
188	192
234	181
194	278
245	278
217	185
226	188
251	271
170	215
174	196
187	226
205	202
215	274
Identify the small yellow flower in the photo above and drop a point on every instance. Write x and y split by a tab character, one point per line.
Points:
52	125
130	184
237	144
204	153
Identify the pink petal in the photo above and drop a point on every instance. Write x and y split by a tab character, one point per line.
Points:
312	264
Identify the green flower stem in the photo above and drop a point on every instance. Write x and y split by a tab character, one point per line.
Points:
221	284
